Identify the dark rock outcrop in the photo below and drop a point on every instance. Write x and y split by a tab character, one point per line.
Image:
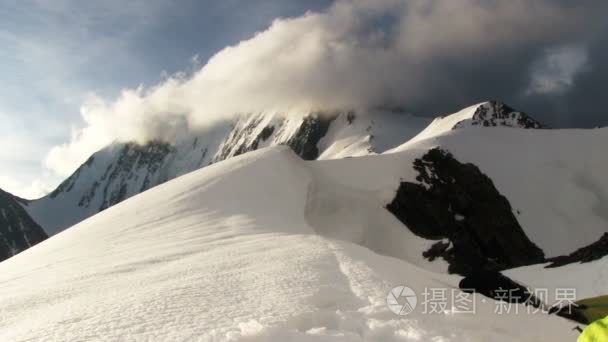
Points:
496	113
304	141
456	202
594	251
311	131
18	231
497	286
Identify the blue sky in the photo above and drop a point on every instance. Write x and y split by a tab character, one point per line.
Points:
72	69
56	52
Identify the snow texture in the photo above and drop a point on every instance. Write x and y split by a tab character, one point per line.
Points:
266	246
261	247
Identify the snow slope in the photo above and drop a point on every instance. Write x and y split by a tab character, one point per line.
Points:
267	246
122	170
264	246
443	125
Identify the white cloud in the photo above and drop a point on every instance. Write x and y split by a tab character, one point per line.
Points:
25	189
357	54
9	184
556	70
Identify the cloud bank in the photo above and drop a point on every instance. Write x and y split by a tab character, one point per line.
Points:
556	71
429	57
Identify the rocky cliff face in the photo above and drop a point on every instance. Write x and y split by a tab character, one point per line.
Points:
459	205
18	231
302	134
304	142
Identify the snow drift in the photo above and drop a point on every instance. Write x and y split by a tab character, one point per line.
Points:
254	248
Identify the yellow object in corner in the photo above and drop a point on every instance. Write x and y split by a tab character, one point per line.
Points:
595	332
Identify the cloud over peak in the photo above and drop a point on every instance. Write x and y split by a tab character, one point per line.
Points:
427	56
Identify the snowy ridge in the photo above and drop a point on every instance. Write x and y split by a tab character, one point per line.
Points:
203	258
122	170
487	114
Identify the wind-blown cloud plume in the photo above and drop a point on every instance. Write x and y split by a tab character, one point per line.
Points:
426	56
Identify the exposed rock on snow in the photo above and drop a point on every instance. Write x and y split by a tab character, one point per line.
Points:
488	237
486	114
493	284
496	113
17	229
311	131
594	251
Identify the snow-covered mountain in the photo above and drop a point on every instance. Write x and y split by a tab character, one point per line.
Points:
266	246
486	114
122	170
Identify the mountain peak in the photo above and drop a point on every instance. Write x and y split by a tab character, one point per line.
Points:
486	114
496	113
